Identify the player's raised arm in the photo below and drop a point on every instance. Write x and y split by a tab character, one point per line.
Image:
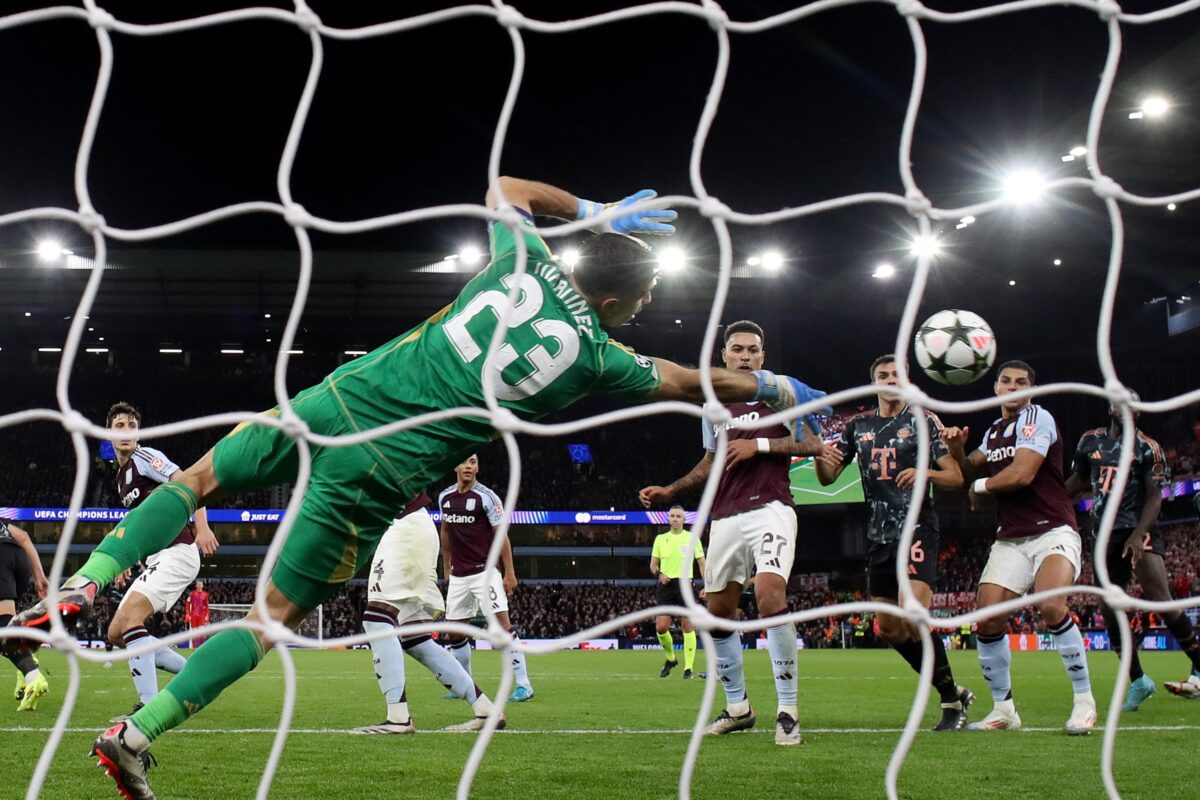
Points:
544	200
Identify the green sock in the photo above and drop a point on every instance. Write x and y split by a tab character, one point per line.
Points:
219	662
667	644
689	649
147	529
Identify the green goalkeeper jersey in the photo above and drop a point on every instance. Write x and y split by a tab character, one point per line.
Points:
554	353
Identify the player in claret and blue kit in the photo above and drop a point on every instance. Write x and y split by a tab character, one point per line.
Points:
1037	546
555	351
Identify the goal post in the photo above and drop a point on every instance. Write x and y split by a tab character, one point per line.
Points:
313	626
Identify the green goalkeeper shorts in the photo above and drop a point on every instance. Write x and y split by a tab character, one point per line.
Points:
348	505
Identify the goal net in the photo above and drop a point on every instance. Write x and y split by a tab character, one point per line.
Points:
517	27
312	629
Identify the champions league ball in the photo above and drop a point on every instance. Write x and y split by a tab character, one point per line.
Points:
955	347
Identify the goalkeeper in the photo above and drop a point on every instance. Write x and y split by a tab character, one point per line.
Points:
554	353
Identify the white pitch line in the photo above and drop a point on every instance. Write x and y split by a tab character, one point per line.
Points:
586	731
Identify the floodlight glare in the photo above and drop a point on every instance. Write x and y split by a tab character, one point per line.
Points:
1023	187
672	259
1058	262
49	251
570	258
925	246
1078	150
772	261
883	271
1171	206
470	255
1155	106
753	261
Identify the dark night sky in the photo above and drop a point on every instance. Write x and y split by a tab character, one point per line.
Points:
811	110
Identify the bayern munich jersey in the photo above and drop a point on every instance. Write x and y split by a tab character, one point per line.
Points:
142	474
469	517
554	353
755	481
885	447
1097	458
1043	504
6	536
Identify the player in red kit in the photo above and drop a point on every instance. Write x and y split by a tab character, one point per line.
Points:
196	610
753	535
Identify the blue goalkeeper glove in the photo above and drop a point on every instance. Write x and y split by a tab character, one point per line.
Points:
655	221
781	392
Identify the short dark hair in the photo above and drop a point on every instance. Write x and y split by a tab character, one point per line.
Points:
1015	364
886	358
614	264
745	326
122	408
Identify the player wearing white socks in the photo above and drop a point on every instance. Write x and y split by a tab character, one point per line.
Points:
471	514
168	573
402	588
1037	546
753	534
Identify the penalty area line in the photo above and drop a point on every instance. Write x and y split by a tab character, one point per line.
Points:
580	731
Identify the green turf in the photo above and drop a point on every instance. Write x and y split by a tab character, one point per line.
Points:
841	693
807	490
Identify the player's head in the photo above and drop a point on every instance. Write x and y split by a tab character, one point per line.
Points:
676	517
199	586
124	417
616	275
1115	411
883	373
467	470
744	346
1013	376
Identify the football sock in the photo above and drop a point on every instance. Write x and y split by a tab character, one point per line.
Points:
995	661
21	657
689	649
168	660
388	658
728	651
520	671
141	668
445	667
461	650
1135	663
1181	628
223	659
943	675
1069	643
781	642
668	644
146	529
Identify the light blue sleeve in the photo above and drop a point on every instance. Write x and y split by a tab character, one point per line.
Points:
492	506
709	435
1036	430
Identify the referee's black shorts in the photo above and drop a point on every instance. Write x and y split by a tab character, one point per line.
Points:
15	572
669	594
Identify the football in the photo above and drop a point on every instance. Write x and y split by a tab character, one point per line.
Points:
955	347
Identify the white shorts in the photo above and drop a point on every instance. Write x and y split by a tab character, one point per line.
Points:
167	576
1014	563
471	594
404	571
760	540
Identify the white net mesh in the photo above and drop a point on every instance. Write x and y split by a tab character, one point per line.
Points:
90	220
312	628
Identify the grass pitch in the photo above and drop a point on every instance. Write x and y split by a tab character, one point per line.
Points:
604	725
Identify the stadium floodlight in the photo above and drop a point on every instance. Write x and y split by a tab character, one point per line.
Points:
354	352
753	261
672	259
295	352
1058	262
570	258
470	255
772	261
925	246
1171	206
266	316
1023	187
30	314
49	349
49	250
170	350
1078	150
1155	106
883	271
1012	283
231	351
101	338
97	350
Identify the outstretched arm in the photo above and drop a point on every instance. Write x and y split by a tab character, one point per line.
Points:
540	199
682	383
544	200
